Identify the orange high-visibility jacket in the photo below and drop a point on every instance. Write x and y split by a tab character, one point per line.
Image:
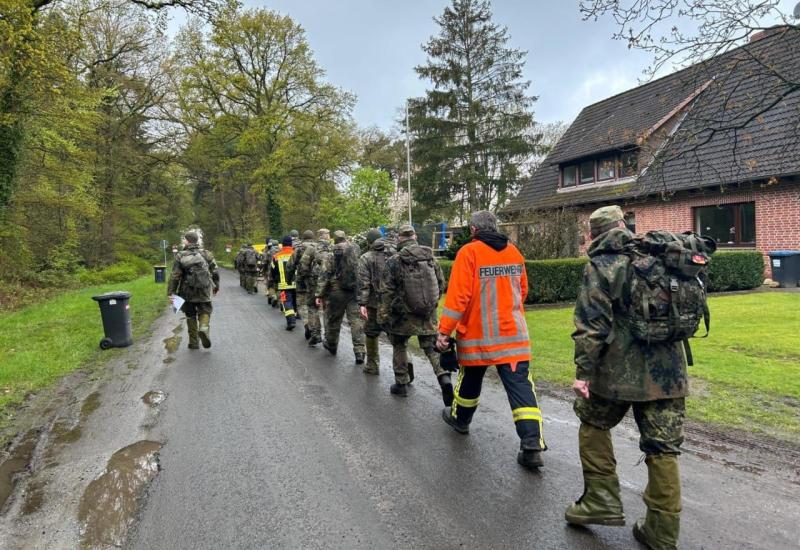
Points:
485	306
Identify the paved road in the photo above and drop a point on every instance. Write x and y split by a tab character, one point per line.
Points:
270	444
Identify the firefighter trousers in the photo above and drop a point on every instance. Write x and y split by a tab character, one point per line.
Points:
521	392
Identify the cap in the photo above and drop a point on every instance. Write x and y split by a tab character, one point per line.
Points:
338	236
373	235
323	233
191	237
406	230
308	234
294	233
287	240
605	216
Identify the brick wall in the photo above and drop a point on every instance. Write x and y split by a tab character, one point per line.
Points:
777	215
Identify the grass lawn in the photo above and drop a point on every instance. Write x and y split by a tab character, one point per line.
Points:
746	373
41	343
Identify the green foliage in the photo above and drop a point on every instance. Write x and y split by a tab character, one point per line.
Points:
461	237
735	270
364	204
472	130
551	281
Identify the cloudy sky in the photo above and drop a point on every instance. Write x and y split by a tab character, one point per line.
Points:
370	47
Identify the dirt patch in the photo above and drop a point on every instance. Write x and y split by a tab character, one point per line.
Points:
17	462
169	359
90	404
110	502
171	343
154	398
64	434
34	498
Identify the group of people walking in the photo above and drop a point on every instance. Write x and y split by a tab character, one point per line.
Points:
630	350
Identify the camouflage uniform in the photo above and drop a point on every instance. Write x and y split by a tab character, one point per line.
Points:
401	325
624	373
302	288
310	265
371	266
250	272
197	305
270	285
339	302
239	266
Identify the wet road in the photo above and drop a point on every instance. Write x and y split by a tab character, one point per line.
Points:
270	444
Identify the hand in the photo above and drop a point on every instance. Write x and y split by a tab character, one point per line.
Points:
216	290
171	299
364	312
442	342
319	302
581	388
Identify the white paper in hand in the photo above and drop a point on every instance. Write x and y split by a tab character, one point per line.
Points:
177	303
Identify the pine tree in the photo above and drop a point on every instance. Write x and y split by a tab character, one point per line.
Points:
471	131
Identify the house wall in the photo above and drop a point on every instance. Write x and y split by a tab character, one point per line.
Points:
777	215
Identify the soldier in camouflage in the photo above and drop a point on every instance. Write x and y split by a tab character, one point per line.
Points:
336	288
197	305
308	270
615	372
401	325
238	264
302	288
371	266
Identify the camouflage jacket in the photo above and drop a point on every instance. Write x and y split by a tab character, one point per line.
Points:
311	263
294	264
606	354
326	279
393	314
237	261
371	266
174	286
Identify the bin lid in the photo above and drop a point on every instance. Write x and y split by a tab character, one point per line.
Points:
115	295
160	266
782	253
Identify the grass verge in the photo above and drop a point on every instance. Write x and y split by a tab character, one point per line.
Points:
41	343
746	373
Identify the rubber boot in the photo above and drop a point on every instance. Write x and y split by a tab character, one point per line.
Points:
660	528
204	328
600	503
450	420
373	356
447	389
191	325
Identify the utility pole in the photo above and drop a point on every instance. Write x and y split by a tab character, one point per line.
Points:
408	162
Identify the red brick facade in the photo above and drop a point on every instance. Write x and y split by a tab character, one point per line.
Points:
777	215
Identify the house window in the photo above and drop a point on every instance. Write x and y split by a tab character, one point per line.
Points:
629	164
606	169
728	224
570	176
587	172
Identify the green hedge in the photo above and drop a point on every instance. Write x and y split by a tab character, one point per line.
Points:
732	270
128	268
551	281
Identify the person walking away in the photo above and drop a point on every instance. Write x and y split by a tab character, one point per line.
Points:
238	264
284	279
310	266
371	267
411	287
301	291
336	289
195	279
640	300
250	266
484	306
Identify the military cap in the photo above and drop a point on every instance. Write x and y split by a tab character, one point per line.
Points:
191	237
294	233
406	230
323	233
308	234
373	235
338	236
605	216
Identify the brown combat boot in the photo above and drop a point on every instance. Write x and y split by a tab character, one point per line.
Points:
660	528
191	325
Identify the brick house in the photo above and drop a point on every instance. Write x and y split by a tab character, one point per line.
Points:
713	148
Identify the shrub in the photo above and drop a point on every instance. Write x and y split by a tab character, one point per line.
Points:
117	273
735	270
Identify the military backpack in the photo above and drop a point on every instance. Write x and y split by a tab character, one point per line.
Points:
345	266
250	258
420	284
196	277
667	286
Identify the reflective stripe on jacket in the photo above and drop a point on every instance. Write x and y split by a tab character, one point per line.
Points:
280	262
485	306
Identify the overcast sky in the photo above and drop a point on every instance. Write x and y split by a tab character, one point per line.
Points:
370	47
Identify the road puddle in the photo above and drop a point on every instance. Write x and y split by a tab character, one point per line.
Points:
154	398
15	464
171	343
64	434
110	502
169	359
90	404
34	498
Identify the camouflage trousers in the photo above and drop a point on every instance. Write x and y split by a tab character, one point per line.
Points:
241	279
302	305
251	282
314	316
427	343
660	422
371	327
193	309
338	304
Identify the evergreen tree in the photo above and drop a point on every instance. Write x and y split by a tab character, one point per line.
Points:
471	131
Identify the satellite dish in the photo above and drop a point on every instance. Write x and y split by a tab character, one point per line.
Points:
797	11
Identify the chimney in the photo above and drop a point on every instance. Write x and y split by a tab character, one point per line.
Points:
760	35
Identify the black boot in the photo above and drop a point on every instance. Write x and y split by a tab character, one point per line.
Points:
447	389
331	349
410	372
360	358
401	390
530	459
314	340
447	416
307	333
